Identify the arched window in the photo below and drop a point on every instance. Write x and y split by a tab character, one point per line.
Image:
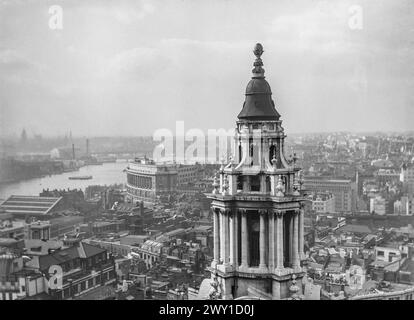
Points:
239	182
255	183
268	184
251	147
240	153
272	152
285	183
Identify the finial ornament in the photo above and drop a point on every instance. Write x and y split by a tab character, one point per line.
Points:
214	293
294	289
258	50
258	71
222	164
231	162
225	186
296	185
215	185
300	179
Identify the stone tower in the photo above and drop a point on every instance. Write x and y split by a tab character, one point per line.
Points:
257	204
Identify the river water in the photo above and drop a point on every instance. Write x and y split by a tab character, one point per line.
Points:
106	174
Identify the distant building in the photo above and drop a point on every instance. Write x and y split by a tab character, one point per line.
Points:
188	174
114	247
12	229
150	251
38	230
373	290
404	206
110	197
85	268
407	177
382	163
149	181
387	254
323	202
407	203
388	175
344	191
379	205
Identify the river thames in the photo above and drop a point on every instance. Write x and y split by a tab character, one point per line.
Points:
106	174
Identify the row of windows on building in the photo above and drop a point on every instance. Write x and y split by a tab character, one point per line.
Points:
141	193
139	181
78	288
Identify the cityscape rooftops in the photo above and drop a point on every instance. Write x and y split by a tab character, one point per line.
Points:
83	250
355	228
40	247
321	196
376	288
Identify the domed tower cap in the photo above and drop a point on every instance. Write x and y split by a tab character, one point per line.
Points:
258	104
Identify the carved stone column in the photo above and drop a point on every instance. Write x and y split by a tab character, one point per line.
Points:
272	240
233	248
262	240
225	214
222	237
244	236
291	238
216	227
301	233
295	242
279	243
236	238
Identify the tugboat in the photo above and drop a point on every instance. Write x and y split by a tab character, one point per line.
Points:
80	178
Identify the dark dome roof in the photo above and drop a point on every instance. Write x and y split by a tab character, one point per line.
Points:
258	104
258	85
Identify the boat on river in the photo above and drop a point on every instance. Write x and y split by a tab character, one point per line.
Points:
80	178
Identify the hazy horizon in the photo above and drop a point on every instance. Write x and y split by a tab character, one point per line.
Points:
109	72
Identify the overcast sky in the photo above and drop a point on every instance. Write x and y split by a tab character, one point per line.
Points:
131	67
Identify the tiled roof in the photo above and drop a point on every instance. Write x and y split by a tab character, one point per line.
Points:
91	250
84	250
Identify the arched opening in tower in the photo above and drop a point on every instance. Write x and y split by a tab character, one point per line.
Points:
285	183
240	153
272	153
251	150
268	186
255	183
240	183
286	240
